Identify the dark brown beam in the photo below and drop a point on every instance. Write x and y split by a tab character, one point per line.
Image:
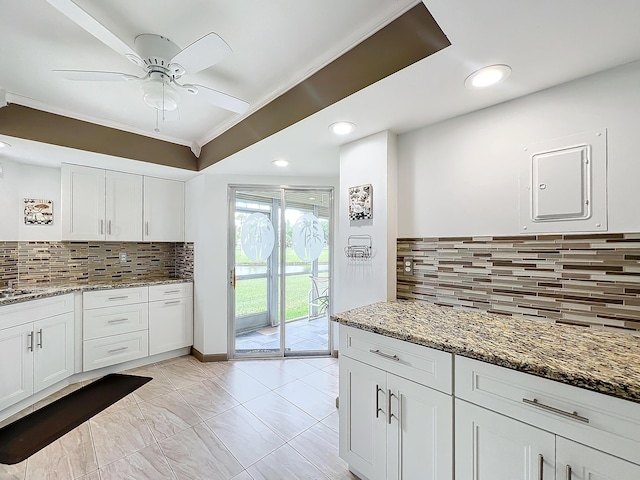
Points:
411	37
24	122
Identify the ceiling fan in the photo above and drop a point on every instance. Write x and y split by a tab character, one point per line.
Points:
162	60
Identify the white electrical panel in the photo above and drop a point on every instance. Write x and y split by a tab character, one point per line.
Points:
563	185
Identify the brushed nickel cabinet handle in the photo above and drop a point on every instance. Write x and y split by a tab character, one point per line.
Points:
540	467
30	338
116	350
117	320
146	228
101	227
569	472
40	338
121	297
109	227
389	414
395	358
378	409
167	292
548	408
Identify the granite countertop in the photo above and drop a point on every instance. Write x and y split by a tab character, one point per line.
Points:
43	292
598	360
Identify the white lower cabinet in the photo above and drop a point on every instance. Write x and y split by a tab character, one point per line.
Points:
53	350
490	446
170	317
115	326
35	354
392	427
578	462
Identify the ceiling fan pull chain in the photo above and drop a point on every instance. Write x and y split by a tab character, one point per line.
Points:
157	129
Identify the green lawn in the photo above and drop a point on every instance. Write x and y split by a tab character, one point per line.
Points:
251	296
241	258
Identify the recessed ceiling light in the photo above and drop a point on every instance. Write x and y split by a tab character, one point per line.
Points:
4	145
342	128
280	162
312	198
487	76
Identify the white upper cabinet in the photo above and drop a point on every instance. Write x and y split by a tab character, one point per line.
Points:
83	203
163	210
100	204
123	206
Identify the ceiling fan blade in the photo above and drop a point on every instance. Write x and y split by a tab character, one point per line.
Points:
95	28
218	99
203	53
92	76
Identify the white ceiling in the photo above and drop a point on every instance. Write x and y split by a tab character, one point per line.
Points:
277	43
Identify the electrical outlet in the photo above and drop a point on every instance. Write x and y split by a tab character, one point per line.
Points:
407	265
123	257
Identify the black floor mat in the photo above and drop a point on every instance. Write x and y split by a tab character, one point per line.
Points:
24	437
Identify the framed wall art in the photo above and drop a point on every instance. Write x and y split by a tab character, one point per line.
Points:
38	211
361	202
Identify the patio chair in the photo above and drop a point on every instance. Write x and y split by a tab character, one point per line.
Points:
318	297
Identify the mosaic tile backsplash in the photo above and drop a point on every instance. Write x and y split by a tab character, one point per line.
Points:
579	279
58	263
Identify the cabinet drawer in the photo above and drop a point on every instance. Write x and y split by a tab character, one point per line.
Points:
414	362
607	423
32	310
103	322
116	296
169	291
103	352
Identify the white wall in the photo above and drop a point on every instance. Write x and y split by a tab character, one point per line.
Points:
371	160
460	177
21	181
208	227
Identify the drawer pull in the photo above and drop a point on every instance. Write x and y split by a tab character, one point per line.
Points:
30	346
173	302
40	337
122	297
117	320
171	291
116	350
569	472
395	358
540	467
572	415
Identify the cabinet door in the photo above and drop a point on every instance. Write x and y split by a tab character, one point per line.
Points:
170	325
83	203
363	419
420	436
123	206
53	351
490	446
588	464
163	210
16	364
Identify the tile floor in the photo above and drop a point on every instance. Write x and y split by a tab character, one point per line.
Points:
243	420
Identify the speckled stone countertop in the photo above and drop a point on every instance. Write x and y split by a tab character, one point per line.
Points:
43	292
601	361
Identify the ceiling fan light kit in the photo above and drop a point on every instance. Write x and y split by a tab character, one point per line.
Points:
163	61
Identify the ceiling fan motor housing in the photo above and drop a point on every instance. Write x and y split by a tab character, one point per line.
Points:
157	51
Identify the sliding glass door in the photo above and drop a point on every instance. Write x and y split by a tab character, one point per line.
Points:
279	257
